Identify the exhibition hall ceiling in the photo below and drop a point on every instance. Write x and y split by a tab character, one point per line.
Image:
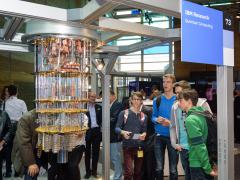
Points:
230	7
66	4
12	28
16	26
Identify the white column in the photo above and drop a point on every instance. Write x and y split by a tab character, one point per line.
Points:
106	125
225	123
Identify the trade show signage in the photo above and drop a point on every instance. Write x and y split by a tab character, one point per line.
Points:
202	34
228	22
228	48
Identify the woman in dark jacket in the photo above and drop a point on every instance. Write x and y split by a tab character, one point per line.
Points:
5	135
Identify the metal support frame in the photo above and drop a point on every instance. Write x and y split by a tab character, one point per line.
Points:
144	45
18	8
11	46
105	81
170	8
139	46
137	74
110	36
97	55
109	60
110	64
25	9
137	29
11	27
106	7
171	65
225	123
91	12
34	27
106	125
122	50
94	80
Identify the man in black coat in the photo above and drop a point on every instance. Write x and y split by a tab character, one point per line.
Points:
6	134
93	136
115	140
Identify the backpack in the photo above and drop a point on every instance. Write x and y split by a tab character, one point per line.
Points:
126	112
211	142
158	100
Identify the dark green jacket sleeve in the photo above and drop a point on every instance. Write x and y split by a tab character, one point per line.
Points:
197	145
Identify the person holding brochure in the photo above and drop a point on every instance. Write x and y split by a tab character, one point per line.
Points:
132	125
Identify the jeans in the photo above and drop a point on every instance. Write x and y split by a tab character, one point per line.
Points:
130	157
185	163
197	173
115	155
159	149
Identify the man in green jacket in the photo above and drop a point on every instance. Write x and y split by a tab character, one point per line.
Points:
197	130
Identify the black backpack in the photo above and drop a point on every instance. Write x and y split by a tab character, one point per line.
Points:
158	100
211	142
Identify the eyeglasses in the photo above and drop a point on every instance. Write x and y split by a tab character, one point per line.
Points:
136	99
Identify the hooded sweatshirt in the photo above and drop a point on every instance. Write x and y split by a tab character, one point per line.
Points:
178	132
197	131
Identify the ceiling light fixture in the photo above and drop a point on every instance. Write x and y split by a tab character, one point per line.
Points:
221	4
100	64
